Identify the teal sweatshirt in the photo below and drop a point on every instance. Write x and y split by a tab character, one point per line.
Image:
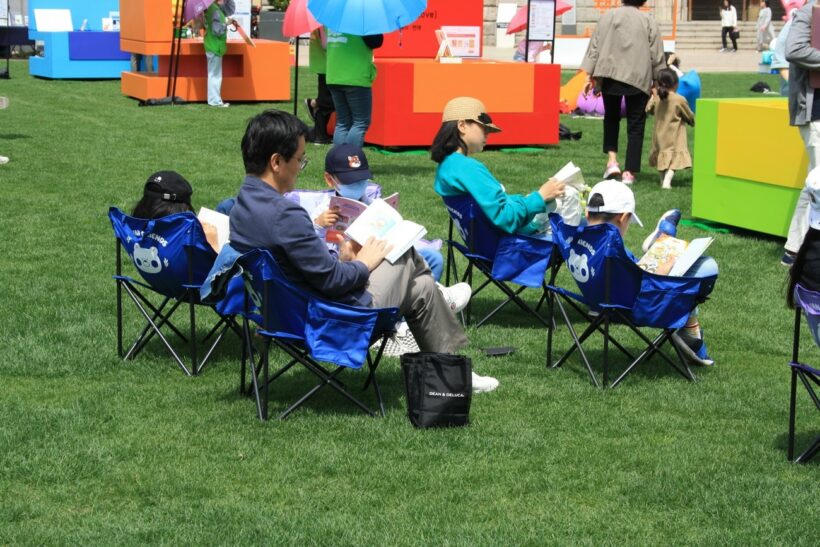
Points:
512	213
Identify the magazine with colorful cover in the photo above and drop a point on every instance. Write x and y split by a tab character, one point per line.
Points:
672	256
349	210
381	221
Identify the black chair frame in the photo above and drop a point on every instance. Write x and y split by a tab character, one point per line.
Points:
158	317
258	364
810	381
477	262
601	323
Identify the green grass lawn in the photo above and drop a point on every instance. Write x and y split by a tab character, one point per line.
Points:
94	450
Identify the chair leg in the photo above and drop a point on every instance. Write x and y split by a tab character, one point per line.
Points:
792	406
577	344
809	453
192	340
158	332
606	347
119	317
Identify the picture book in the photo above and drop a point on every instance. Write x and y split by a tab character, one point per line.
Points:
382	221
672	256
349	210
221	222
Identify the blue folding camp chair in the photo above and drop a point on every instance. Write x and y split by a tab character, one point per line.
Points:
809	303
308	329
615	289
500	257
173	258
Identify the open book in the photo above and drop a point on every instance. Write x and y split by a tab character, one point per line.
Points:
221	222
349	210
672	256
570	174
381	221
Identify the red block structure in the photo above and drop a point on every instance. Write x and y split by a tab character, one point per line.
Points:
409	96
418	40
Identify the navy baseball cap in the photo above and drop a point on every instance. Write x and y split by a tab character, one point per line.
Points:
348	164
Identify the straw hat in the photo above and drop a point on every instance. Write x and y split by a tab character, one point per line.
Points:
468	108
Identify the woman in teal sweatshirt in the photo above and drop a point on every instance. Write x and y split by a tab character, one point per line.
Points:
464	130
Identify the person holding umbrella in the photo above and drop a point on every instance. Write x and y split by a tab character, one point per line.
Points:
355	29
350	75
216	43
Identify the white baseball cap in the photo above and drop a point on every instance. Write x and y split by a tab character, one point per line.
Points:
618	198
813	187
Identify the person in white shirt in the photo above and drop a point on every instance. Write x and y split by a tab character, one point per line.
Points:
728	23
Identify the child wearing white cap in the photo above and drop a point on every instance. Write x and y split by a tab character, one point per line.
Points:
612	201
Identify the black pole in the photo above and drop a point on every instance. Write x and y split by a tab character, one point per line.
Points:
7	74
296	78
178	39
527	35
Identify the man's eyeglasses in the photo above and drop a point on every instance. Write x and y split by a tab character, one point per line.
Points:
303	163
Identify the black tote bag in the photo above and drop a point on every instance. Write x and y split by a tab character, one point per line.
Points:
439	388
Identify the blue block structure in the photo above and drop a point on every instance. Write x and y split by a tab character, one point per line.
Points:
90	54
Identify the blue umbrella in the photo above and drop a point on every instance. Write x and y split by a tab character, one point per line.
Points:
365	17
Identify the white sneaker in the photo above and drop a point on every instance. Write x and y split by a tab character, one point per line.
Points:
484	384
456	296
3	160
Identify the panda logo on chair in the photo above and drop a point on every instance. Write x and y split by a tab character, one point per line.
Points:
578	266
147	260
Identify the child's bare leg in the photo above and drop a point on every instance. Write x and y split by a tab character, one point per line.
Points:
666	183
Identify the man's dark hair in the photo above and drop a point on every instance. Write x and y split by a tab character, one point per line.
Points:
597	200
447	140
271	132
634	3
767	3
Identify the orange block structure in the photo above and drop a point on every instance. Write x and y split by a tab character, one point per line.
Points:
409	96
260	73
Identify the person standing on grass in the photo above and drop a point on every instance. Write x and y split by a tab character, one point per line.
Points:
624	55
670	148
728	26
321	107
765	32
804	113
216	44
350	75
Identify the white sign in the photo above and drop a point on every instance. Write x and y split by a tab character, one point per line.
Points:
242	15
4	9
542	19
463	41
506	11
53	20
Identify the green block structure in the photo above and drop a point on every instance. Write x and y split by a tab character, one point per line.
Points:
755	205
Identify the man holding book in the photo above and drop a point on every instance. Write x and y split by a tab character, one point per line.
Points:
612	201
273	150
